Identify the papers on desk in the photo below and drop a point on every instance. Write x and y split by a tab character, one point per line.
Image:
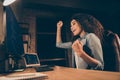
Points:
23	76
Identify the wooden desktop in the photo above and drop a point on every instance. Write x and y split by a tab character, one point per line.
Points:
65	73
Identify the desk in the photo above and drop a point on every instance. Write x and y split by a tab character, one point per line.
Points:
64	73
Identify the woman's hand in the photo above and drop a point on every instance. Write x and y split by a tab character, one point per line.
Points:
59	24
77	46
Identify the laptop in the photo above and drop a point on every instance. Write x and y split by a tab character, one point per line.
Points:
32	60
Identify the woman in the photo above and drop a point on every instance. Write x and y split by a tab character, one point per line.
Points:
86	49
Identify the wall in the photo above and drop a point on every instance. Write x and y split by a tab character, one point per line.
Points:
1	23
2	56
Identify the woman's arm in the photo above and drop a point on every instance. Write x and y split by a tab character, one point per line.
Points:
58	37
96	62
64	45
58	34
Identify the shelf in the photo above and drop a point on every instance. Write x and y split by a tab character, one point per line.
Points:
25	35
49	33
25	30
23	23
25	42
55	59
24	27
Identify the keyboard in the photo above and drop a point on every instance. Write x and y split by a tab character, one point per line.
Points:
43	68
23	76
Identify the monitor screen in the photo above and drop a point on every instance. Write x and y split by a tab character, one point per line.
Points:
31	59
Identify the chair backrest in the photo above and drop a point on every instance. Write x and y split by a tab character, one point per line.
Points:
111	51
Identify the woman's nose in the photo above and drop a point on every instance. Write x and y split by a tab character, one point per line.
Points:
71	28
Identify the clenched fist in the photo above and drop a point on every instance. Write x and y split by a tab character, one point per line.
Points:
77	46
59	24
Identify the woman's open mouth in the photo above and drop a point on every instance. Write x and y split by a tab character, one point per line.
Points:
73	30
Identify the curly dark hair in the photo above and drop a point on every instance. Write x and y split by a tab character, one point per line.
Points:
89	23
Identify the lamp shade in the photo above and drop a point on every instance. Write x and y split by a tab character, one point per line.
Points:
8	2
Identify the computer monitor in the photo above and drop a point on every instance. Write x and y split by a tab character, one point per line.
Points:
13	37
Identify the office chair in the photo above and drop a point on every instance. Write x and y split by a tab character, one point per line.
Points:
111	51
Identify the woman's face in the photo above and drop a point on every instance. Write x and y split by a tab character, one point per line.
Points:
75	27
